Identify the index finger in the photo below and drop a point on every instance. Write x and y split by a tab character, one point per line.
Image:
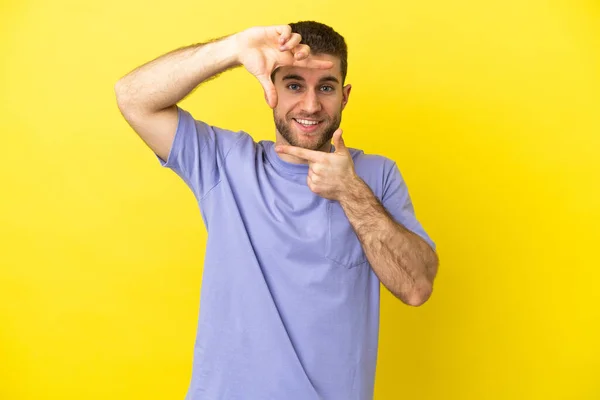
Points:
310	62
305	154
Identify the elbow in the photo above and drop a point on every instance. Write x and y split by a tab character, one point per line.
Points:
120	94
126	101
423	287
419	295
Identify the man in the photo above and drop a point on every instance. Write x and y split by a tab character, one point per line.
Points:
300	232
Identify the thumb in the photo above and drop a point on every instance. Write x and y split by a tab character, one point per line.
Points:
338	142
269	88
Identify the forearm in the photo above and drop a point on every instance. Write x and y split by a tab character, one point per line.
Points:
402	260
165	81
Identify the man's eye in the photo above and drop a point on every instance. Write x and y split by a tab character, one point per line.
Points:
293	86
327	88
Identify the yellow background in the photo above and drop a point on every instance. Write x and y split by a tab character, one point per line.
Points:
490	108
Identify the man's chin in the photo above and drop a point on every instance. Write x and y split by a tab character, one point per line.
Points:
310	142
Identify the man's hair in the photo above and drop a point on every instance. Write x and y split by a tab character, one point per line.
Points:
322	39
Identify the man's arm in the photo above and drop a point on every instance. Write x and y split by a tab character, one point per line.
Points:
147	96
404	262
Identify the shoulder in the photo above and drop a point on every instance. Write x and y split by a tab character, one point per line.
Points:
222	137
376	170
371	163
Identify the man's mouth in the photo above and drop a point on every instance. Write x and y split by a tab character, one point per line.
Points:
307	125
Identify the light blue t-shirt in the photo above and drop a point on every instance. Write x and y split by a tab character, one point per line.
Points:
289	307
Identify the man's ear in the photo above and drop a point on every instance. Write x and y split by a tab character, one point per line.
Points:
345	95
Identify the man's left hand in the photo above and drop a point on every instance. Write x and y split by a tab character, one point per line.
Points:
330	175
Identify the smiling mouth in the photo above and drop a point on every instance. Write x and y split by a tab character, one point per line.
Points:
307	123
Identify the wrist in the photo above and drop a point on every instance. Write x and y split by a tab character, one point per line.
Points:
354	192
238	44
232	46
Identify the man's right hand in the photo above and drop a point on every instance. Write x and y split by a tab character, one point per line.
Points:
264	49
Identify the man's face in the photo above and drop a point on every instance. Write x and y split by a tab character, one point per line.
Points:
310	104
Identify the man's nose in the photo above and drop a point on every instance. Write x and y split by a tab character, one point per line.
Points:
311	103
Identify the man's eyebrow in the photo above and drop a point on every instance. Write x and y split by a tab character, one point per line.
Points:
328	78
292	77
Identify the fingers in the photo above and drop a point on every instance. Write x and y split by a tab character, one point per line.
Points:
310	62
293	41
314	178
310	183
290	41
285	32
338	141
316	168
269	89
305	154
302	58
301	51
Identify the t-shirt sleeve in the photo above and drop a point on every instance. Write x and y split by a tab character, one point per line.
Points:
398	203
198	152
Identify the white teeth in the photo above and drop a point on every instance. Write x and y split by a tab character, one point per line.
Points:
307	122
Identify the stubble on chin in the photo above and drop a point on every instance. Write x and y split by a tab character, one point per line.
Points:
285	129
